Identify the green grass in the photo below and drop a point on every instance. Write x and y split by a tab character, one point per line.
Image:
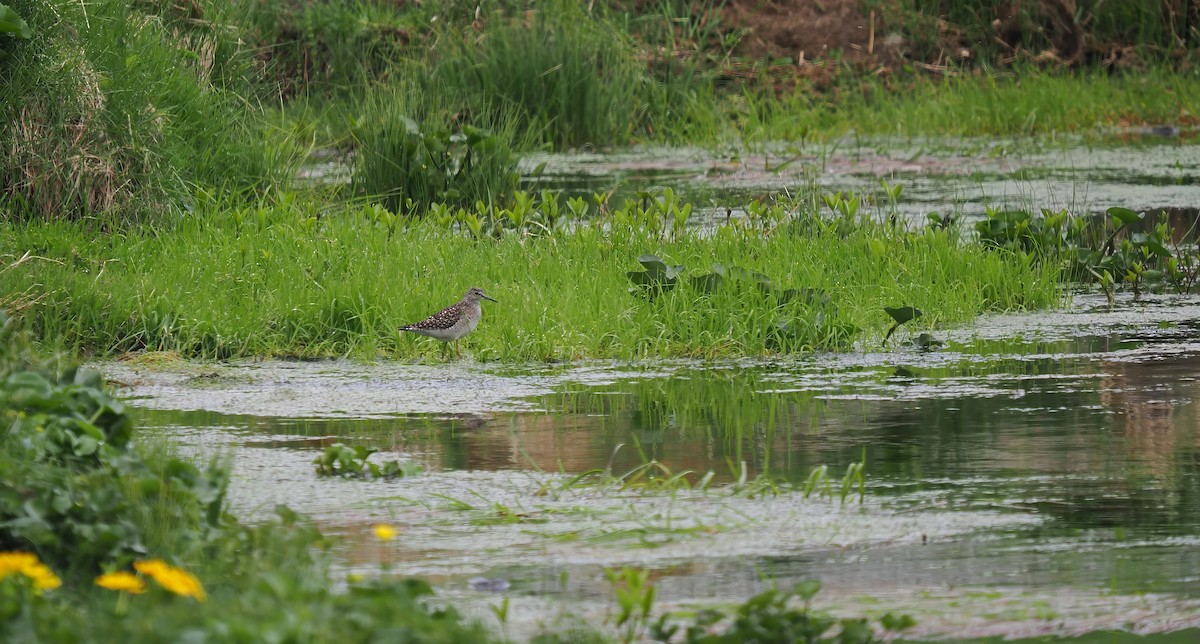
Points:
569	76
287	278
996	33
327	48
1027	104
109	111
141	106
410	154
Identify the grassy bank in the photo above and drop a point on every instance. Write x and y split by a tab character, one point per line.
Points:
979	104
112	110
117	111
285	278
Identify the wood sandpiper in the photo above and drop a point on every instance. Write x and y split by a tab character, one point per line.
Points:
454	321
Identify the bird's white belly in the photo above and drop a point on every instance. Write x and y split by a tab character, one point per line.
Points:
449	334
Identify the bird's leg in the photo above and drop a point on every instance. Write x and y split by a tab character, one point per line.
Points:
457	352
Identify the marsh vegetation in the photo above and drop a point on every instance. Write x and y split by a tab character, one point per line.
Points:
191	187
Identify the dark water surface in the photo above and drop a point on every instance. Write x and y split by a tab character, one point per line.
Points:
1039	475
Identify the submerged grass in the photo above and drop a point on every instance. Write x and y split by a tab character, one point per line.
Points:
288	278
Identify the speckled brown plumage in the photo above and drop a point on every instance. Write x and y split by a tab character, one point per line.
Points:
454	321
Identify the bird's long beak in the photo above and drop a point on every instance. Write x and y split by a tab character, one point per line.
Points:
485	296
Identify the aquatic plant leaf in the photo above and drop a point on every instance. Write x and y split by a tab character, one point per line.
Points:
653	264
643	278
1156	248
992	227
708	282
739	273
900	315
926	342
657	278
1124	215
903	314
842	335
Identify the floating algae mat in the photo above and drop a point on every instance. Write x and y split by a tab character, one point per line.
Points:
1037	475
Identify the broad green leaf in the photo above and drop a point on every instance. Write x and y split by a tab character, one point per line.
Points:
88	429
1157	248
1124	215
643	278
900	315
86	446
11	22
652	263
903	314
708	282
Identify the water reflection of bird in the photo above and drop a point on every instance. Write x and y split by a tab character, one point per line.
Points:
453	322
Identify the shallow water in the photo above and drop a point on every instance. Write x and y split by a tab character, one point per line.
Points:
962	177
1039	475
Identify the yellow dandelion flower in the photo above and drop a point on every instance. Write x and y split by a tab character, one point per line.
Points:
172	579
181	583
43	578
28	565
15	562
384	532
121	580
150	567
